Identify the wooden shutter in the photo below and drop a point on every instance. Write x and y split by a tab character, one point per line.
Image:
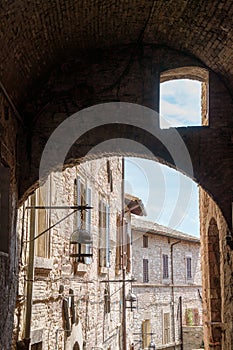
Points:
107	233
101	235
124	243
145	271
166	328
196	317
4	208
78	202
189	267
146	330
41	243
118	244
165	266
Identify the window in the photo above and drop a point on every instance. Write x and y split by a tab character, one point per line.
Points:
166	328
4	208
165	266
146	333
184	97
36	346
192	317
118	244
104	228
42	220
145	241
189	267
124	243
83	196
145	271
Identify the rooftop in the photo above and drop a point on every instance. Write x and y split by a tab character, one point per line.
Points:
156	229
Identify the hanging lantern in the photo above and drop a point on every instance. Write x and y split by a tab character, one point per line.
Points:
82	243
131	300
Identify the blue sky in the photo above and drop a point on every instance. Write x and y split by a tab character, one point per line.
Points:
180	103
158	185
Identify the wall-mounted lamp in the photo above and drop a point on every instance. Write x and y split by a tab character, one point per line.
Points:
82	239
131	301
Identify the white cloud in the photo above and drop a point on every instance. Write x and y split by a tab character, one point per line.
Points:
180	103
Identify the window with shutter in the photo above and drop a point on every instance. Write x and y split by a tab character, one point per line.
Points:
42	198
192	317
165	266
104	232
189	268
118	244
145	271
166	328
107	232
146	333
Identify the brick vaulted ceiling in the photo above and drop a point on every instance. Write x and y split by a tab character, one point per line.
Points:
35	35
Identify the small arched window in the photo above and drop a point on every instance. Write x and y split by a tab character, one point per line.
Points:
184	97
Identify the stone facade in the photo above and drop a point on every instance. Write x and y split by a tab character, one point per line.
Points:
169	295
61	283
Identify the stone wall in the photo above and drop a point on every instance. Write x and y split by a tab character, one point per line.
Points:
192	338
10	126
98	328
217	286
159	295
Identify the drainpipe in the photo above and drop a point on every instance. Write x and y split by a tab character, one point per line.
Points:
30	278
173	296
181	324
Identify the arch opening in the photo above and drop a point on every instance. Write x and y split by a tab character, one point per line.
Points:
184	97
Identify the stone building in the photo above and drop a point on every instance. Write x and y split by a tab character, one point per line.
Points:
70	293
167	267
59	58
